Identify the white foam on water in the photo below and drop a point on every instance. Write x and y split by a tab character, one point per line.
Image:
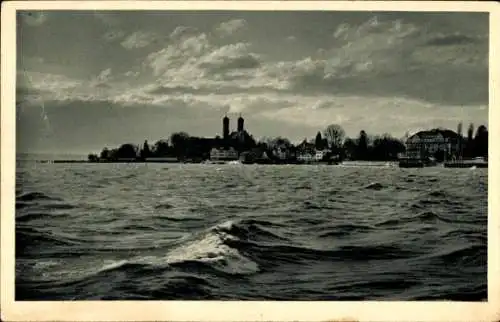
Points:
211	249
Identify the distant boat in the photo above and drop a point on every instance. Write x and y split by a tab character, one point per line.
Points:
234	162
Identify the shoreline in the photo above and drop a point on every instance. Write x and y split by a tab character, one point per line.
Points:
384	164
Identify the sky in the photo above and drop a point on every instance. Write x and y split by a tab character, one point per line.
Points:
89	79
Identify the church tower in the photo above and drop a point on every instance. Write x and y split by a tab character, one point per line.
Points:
241	122
225	127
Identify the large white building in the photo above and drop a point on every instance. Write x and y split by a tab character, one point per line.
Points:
312	156
430	143
223	154
320	154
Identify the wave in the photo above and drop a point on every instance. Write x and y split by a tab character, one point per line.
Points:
33	196
305	221
29	216
422	217
249	230
430	216
138	227
471	255
210	247
164	205
345	230
181	218
437	194
477	292
473	235
207	250
40	241
374	186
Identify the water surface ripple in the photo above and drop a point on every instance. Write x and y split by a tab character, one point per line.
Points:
212	232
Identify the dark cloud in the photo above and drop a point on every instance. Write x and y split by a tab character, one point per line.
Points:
469	85
33	18
454	39
225	90
23	91
210	62
246	61
83	125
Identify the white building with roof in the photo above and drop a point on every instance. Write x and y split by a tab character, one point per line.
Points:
223	154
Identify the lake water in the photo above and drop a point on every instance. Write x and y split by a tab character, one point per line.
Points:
218	232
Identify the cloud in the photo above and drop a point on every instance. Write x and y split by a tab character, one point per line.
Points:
113	35
139	39
34	18
110	19
46	82
373	46
230	27
377	58
195	62
229	57
102	79
131	73
411	114
452	39
104	76
183	31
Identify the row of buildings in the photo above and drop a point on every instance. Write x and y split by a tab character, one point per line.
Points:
231	154
305	152
438	144
441	143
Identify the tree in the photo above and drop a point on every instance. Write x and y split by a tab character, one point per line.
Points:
279	141
145	152
460	139
459	129
470	132
362	146
481	142
406	136
180	142
335	135
127	151
113	155
350	148
470	141
179	138
93	157
161	149
319	141
104	154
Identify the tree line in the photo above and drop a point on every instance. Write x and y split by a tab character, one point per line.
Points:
385	147
474	145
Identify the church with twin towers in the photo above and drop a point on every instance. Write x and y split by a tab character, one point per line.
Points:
232	143
236	134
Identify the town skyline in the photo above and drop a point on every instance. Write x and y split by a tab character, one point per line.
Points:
290	74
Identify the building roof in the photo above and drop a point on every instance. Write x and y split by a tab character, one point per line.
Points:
448	134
